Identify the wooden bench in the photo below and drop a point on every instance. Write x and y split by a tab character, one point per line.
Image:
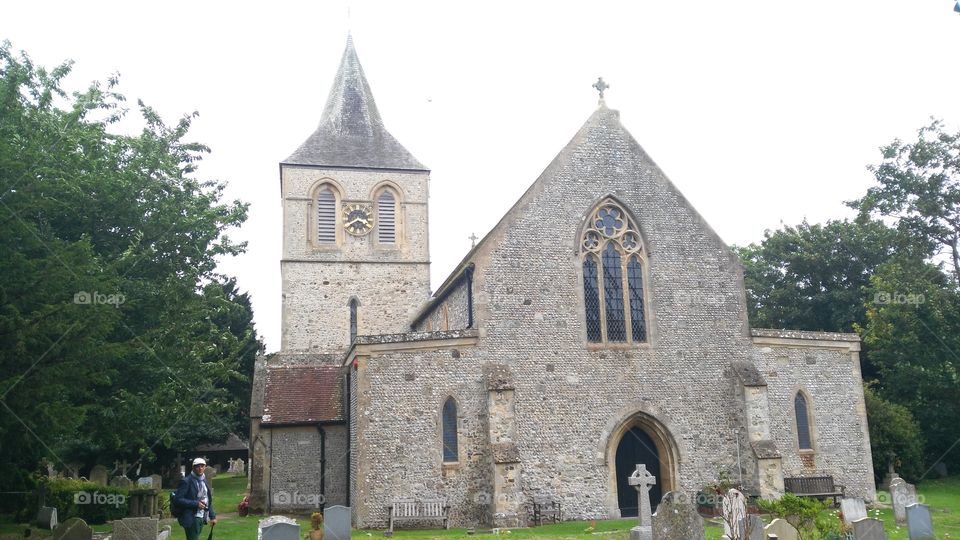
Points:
819	487
545	510
414	510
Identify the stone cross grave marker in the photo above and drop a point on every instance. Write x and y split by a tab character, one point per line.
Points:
782	529
278	528
336	523
902	494
642	480
73	529
919	522
868	529
137	528
852	509
734	515
99	475
677	517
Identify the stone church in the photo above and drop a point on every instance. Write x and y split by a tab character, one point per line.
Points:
602	323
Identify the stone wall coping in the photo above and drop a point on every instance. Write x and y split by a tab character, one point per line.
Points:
415	336
803	334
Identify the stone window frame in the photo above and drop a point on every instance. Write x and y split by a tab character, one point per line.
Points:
811	426
398	217
313	221
354	321
450	464
642	255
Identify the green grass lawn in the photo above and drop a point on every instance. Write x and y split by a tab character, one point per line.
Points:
943	497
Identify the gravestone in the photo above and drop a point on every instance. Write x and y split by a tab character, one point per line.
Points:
941	469
641	480
902	494
73	529
145	482
47	518
782	529
852	509
137	528
210	473
756	528
121	481
99	475
164	533
919	522
278	528
336	523
868	529
677	517
734	515
157	481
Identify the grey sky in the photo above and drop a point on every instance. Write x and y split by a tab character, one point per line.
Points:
760	112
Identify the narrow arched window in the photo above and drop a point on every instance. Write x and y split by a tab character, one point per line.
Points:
387	217
613	294
450	430
326	216
803	422
353	319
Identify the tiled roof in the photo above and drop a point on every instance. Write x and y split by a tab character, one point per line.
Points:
351	132
233	443
297	394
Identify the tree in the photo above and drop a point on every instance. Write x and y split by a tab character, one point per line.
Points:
118	339
894	437
919	187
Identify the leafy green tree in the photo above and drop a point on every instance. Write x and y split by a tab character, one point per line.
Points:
118	339
919	187
895	437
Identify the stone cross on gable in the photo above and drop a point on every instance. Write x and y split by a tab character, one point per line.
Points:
473	240
642	481
600	85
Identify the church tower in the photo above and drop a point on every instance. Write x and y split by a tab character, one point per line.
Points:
355	241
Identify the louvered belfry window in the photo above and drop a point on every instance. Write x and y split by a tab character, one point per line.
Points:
803	422
387	218
613	259
450	430
326	217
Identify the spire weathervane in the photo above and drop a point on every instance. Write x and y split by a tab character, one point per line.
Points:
600	85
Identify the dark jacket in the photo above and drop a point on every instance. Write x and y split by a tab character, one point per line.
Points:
188	497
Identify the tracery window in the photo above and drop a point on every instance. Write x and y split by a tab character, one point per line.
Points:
387	217
802	413
613	259
450	431
326	216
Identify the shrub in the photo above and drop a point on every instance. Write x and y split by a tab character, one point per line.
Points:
90	501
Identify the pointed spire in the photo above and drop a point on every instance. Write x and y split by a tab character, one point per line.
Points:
351	132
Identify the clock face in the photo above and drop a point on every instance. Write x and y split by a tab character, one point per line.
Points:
357	219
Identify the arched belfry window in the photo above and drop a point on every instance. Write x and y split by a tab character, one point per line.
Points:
326	215
613	258
387	217
449	421
802	411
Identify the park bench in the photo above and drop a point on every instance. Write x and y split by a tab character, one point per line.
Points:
419	510
818	487
545	510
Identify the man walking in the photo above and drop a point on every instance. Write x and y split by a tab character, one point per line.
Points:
196	500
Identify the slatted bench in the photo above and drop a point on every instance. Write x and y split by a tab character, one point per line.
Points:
545	510
819	487
414	510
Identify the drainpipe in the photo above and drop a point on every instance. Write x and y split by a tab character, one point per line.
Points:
323	463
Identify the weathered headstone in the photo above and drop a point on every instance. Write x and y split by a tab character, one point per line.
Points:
782	529
164	533
852	509
121	481
145	482
137	528
99	475
902	494
336	523
157	481
278	528
210	473
756	528
734	515
941	469
919	522
73	529
641	480
677	517
868	529
47	518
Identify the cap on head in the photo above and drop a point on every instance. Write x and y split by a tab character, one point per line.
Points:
199	461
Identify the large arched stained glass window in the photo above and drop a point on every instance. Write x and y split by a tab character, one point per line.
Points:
613	259
449	430
803	422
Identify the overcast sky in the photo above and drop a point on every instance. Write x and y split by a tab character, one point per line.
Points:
761	112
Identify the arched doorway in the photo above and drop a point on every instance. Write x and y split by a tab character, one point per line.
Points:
638	437
636	447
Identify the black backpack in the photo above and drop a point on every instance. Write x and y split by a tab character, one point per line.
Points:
175	508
